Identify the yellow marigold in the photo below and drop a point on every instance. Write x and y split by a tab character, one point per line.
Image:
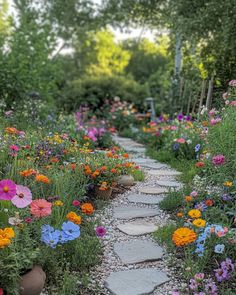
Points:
7	232
42	178
228	183
194	213
199	222
183	236
73	217
180	214
4	242
58	203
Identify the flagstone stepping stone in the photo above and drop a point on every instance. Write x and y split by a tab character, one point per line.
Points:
164	172
137	228
135	281
169	183
138	251
153	190
144	161
135	149
144	199
129	212
153	166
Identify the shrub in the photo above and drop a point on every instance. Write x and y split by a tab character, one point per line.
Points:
93	91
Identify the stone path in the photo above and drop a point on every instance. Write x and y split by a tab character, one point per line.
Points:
133	263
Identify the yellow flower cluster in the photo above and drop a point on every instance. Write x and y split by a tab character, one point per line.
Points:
6	235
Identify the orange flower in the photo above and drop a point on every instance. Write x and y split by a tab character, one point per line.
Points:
205	123
73	217
180	214
54	160
209	202
42	178
28	172
126	156
104	168
183	236
7	232
11	130
118	165
103	186
87	208
109	154
4	242
86	137
188	198
72	166
200	164
113	170
228	183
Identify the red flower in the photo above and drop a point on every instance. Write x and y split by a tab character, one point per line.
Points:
200	164
209	202
1	291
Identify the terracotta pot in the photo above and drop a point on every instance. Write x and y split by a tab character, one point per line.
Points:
106	194
126	180
32	282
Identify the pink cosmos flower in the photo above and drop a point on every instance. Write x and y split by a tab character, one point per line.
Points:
76	203
100	231
181	140
7	189
225	95
40	208
233	103
214	121
212	112
173	128
218	160
194	194
23	197
232	83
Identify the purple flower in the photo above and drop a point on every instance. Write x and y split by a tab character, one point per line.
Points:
193	284
100	231
211	287
218	160
226	197
180	117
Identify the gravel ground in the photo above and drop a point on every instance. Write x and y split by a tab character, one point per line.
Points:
111	263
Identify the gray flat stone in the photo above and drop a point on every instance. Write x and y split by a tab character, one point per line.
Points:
144	161
153	190
138	251
164	172
144	199
137	228
129	212
135	282
135	149
153	166
168	183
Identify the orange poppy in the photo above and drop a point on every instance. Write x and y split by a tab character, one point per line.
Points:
42	178
87	208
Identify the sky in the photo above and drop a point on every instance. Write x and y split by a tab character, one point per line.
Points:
119	35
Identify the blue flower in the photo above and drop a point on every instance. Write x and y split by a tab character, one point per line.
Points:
176	146
70	231
197	148
51	238
47	229
219	248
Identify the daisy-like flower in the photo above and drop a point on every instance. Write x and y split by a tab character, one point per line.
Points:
23	197
40	208
100	231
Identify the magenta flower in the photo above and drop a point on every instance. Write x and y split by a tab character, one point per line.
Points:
23	197
14	148
76	203
100	231
218	160
232	83
7	189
